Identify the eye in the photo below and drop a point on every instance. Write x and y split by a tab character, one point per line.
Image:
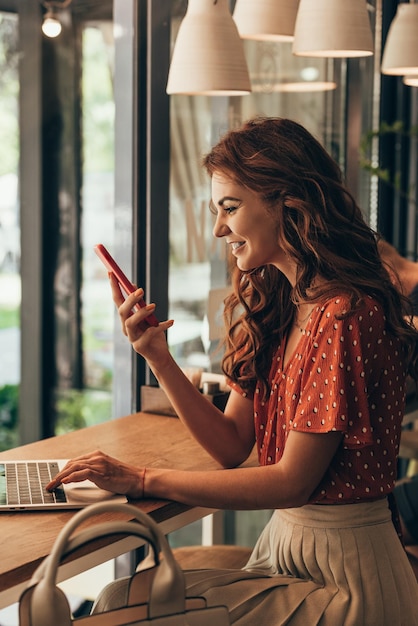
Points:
227	208
231	209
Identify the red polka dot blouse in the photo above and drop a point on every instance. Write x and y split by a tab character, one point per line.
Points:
345	375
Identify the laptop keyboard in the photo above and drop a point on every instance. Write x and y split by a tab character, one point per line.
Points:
26	483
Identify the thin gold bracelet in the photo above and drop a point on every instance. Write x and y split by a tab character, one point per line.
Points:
143	482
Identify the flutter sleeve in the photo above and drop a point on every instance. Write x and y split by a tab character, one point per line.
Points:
342	368
245	393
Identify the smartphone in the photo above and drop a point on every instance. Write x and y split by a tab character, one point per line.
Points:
122	279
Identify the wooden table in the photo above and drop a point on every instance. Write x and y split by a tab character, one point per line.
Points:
140	439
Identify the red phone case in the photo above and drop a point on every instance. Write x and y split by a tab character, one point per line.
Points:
122	279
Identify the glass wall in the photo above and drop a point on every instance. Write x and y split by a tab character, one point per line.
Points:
57	134
78	107
9	231
89	400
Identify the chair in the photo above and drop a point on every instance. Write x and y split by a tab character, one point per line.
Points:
212	557
412	552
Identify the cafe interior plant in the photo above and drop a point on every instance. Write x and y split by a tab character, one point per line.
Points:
391	178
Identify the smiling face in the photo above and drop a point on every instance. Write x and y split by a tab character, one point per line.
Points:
248	226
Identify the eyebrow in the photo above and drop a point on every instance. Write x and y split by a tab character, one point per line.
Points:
212	205
228	198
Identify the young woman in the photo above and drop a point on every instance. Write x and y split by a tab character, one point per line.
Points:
317	352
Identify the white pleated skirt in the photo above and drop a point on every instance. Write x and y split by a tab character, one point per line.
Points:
341	565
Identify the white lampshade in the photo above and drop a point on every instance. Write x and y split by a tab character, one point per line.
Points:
268	20
208	56
333	28
411	81
400	56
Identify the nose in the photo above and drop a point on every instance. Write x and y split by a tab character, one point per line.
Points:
220	228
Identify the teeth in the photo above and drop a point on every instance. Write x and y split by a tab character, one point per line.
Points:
236	244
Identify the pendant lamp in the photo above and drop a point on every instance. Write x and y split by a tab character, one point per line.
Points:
268	20
51	24
400	56
208	56
333	28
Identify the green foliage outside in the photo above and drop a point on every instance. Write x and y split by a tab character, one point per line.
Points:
98	104
9	90
396	129
9	318
78	409
9	400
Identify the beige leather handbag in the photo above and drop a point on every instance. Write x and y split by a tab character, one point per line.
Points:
155	595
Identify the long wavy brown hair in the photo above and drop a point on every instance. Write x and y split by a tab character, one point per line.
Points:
320	227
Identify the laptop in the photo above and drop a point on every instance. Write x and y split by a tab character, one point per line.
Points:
22	487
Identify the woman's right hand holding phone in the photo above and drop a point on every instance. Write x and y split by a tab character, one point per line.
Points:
148	341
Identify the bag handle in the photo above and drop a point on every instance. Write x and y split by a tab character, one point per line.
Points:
101	530
167	593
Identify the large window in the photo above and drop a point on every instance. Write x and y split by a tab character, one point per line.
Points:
9	231
56	201
77	144
87	398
